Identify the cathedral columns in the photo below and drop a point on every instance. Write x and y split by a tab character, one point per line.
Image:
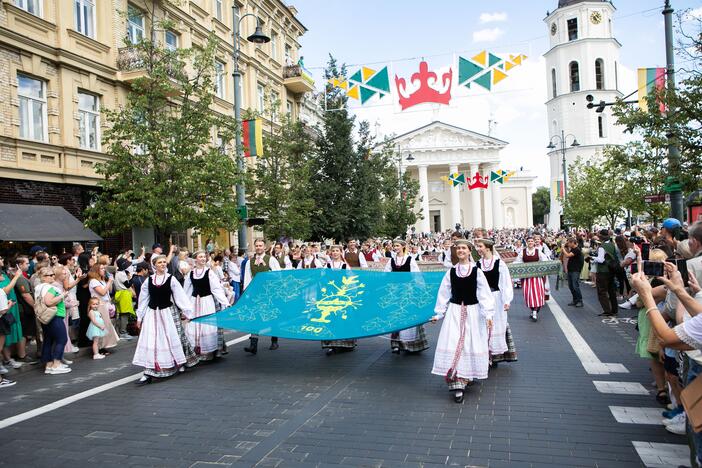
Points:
455	200
424	194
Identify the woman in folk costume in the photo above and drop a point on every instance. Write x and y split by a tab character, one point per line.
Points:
535	288
308	260
162	348
500	281
411	340
204	288
467	305
259	263
337	262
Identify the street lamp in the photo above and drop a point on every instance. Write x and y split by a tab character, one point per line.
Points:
258	37
561	139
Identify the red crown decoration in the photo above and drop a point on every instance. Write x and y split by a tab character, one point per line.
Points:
478	182
427	90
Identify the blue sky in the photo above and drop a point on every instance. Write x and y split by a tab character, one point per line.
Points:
402	32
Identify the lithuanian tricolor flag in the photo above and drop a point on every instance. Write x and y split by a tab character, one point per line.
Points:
650	79
558	189
252	137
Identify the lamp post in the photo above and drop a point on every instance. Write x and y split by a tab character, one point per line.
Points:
402	194
561	139
672	183
257	38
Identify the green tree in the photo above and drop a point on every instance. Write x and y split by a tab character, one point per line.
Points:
166	170
593	195
282	182
541	202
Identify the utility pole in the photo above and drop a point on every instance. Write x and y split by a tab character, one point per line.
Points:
672	183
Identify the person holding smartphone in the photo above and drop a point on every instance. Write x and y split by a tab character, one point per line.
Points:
606	259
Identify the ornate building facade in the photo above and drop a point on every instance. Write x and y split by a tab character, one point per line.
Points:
63	62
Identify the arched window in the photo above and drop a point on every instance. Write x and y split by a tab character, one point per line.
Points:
601	126
554	90
599	74
574	77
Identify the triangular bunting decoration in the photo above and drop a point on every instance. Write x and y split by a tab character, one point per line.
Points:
484	80
366	94
467	70
486	69
380	80
494	59
498	76
356	77
367	73
353	92
480	58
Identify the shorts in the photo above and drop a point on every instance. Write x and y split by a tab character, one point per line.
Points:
4	328
670	364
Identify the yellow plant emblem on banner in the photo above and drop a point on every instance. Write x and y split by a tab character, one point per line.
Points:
339	300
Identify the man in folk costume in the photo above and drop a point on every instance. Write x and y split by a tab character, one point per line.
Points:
337	262
283	260
411	340
371	255
354	258
535	288
316	251
259	263
162	348
204	287
498	277
467	305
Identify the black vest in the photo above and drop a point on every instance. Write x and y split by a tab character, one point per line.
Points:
405	267
492	276
464	290
160	296
343	265
201	287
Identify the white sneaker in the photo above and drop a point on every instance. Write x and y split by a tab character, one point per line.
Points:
676	428
57	370
14	364
126	336
626	305
3	370
67	362
677	419
98	356
75	349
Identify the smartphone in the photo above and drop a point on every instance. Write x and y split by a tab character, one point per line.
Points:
653	268
681	265
645	251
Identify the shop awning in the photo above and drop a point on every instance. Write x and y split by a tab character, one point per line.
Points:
33	223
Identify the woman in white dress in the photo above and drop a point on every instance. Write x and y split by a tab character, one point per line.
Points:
163	348
411	340
500	281
467	305
337	262
100	287
203	286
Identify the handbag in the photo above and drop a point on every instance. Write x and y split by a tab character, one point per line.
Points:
43	312
654	345
112	310
8	319
691	398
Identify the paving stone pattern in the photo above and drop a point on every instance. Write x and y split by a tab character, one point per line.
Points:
298	407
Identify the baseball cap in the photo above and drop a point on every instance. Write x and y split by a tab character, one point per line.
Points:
671	224
156	246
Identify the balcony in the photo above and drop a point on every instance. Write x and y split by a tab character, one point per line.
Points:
297	79
131	66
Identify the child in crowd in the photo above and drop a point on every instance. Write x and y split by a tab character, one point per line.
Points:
96	329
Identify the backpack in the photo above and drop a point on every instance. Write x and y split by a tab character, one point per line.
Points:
612	263
43	312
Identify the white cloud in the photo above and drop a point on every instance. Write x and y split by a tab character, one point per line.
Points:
487	35
493	17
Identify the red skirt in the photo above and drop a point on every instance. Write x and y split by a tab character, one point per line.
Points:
534	292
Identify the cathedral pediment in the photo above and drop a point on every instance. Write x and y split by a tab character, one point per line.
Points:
436	201
439	135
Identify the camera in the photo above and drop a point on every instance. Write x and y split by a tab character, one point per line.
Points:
636	239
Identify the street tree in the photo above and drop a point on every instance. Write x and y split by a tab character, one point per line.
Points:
593	195
167	167
541	202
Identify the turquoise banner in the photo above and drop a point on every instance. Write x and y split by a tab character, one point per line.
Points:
324	304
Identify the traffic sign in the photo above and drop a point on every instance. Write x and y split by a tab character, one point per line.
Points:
655	198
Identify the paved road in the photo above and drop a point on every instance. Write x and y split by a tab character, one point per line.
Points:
298	407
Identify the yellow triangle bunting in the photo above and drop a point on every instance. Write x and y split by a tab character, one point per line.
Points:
498	76
481	58
367	73
353	93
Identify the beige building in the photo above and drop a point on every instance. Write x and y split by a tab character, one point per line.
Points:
63	62
432	152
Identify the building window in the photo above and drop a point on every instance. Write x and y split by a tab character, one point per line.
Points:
30	6
616	76
601	131
288	55
89	111
84	13
135	25
572	29
219	10
436	186
171	41
235	11
220	144
554	90
599	74
289	108
32	108
274	45
220	90
275	105
261	94
574	77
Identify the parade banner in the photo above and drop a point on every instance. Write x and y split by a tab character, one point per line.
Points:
252	137
650	79
534	269
325	304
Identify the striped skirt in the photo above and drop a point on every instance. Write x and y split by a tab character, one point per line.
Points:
511	354
339	344
415	345
534	292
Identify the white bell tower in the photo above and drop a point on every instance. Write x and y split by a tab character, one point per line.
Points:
582	59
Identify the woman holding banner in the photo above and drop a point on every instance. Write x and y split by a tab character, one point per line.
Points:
535	288
411	340
467	306
337	262
498	277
